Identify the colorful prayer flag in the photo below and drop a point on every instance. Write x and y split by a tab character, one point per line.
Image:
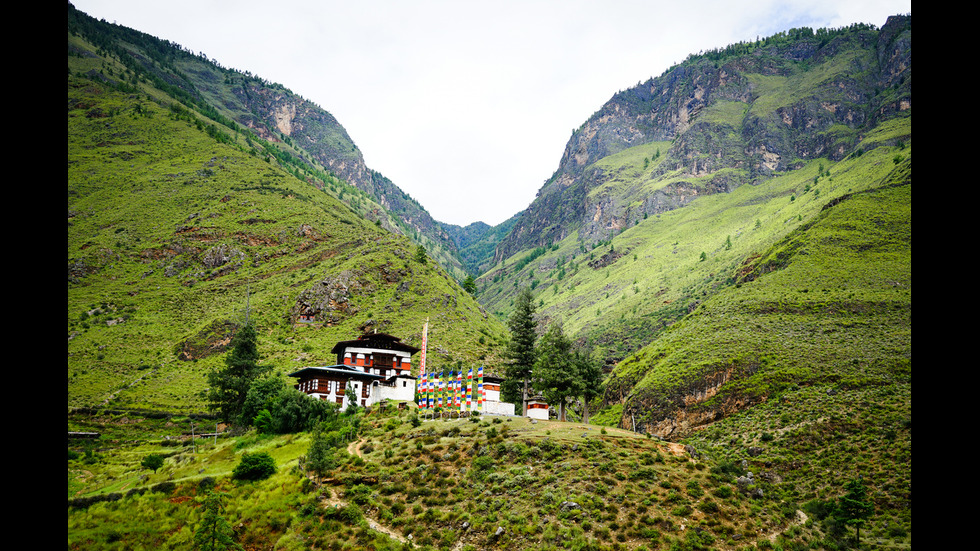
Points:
481	396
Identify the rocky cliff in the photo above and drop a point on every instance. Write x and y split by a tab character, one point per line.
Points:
726	118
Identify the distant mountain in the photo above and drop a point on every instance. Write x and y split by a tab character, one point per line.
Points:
478	242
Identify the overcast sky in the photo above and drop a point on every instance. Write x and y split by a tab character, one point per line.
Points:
467	105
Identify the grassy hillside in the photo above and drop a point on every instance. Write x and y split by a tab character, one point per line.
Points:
175	228
623	292
481	483
670	185
262	117
830	304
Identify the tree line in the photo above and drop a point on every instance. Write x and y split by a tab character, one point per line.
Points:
552	366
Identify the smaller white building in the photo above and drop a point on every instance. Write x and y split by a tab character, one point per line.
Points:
493	405
537	408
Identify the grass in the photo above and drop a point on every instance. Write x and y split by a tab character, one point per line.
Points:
448	484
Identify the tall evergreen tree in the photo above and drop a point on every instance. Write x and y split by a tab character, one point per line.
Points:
589	373
319	456
214	532
469	285
520	349
853	507
228	387
555	371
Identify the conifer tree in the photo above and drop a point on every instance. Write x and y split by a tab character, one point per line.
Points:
520	349
228	387
214	532
589	374
853	507
319	456
555	372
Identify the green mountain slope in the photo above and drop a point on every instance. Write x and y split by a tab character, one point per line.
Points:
274	122
828	305
724	118
733	240
176	227
708	158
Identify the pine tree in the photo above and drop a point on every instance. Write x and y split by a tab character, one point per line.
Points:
555	373
214	532
520	349
469	285
228	387
853	507
589	374
319	456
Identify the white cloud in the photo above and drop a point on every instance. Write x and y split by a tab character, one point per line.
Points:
467	105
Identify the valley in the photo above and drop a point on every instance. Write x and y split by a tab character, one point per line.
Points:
729	241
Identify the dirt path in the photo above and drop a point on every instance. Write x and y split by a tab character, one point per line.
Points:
332	501
354	448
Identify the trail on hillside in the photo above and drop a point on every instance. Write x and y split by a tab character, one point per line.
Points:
354	448
333	502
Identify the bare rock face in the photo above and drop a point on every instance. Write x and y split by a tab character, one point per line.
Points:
329	300
211	340
681	412
755	139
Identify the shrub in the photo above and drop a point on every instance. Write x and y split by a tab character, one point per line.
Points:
152	462
254	466
359	494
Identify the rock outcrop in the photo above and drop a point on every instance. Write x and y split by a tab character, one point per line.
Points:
725	126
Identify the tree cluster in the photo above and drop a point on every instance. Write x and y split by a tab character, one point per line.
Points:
552	367
273	407
246	394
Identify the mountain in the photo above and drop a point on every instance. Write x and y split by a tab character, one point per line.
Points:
185	219
294	130
603	243
478	242
732	240
721	120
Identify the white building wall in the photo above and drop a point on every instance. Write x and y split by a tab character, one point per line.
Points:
538	413
498	408
403	391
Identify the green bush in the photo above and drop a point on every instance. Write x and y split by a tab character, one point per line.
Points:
254	466
152	462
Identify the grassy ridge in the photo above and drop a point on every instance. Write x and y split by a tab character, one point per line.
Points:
831	303
462	484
